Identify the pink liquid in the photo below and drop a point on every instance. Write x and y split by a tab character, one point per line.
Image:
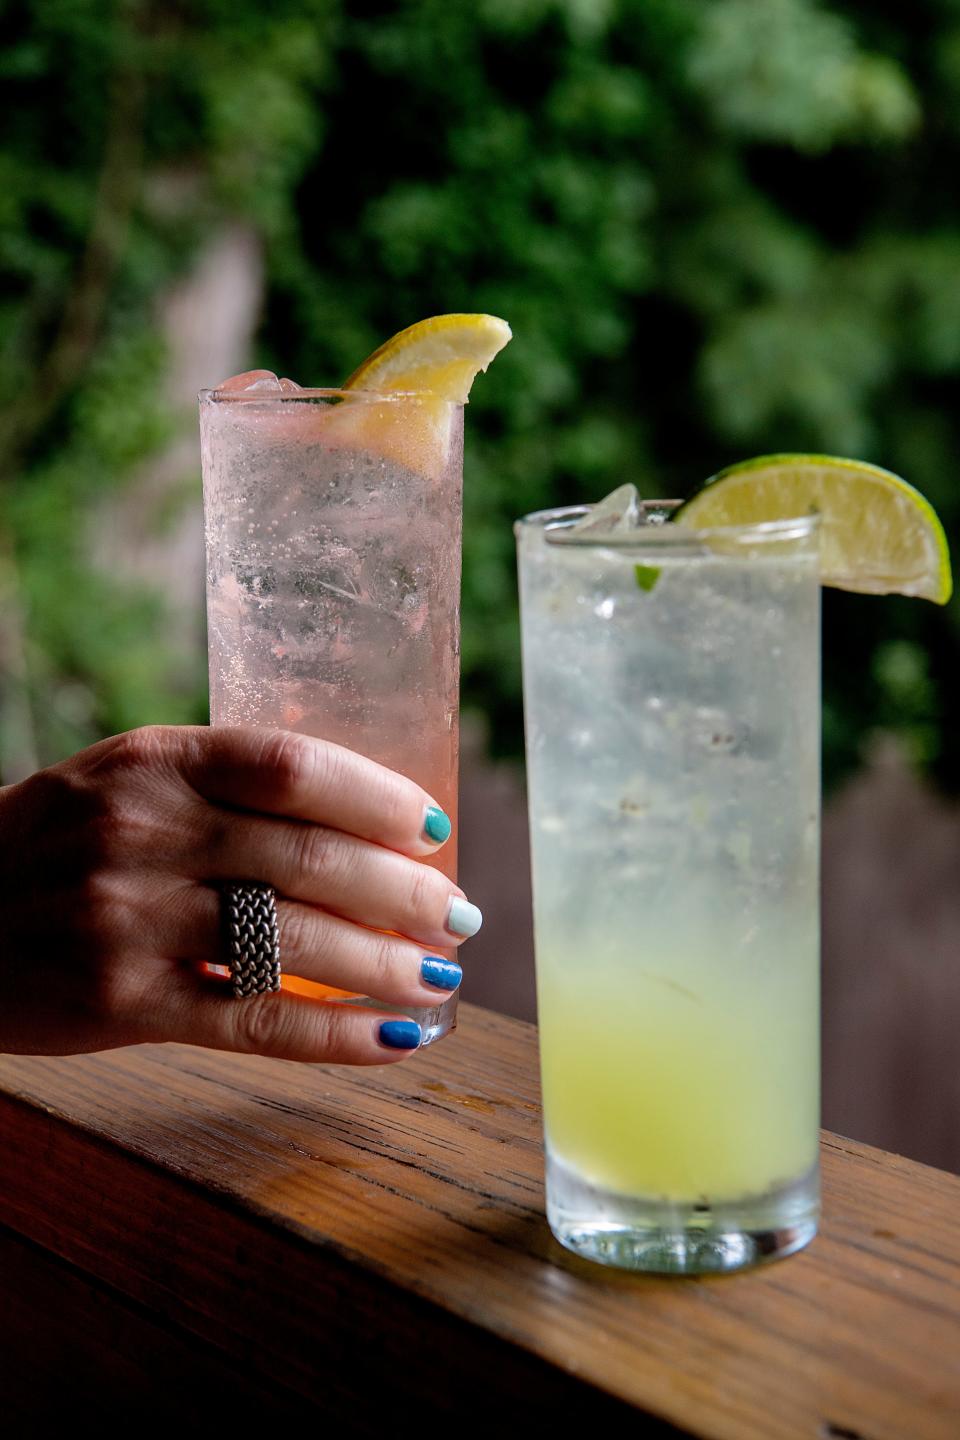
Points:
333	578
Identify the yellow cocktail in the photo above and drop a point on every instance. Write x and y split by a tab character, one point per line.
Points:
672	700
672	709
682	1076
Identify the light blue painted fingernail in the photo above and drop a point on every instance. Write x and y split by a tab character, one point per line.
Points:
436	825
400	1034
444	974
464	919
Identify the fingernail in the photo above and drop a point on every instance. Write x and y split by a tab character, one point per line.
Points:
464	919
436	825
444	974
400	1034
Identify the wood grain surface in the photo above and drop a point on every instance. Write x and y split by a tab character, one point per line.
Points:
371	1243
72	1347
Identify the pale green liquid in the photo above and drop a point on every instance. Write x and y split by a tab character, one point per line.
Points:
685	1074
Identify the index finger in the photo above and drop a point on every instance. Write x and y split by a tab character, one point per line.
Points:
280	772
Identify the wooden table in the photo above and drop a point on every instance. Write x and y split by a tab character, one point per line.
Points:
196	1238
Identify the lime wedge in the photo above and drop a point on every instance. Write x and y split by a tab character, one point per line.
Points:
878	534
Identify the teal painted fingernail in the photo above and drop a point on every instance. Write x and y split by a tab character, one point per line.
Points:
400	1034
436	825
464	919
444	974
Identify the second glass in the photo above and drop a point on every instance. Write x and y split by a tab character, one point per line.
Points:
333	525
671	695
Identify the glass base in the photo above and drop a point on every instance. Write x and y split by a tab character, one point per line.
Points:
434	1020
677	1238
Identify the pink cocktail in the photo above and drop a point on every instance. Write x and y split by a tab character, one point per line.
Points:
333	522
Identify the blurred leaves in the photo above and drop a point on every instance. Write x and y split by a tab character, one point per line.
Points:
715	229
791	72
908	703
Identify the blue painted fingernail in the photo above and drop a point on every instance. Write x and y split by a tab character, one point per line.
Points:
464	919
400	1034
436	825
445	974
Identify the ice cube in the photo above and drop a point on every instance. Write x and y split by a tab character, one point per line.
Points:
257	382
618	511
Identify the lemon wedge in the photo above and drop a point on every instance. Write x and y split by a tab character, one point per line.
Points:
402	404
441	356
878	534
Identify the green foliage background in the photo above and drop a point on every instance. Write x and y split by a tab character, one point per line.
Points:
716	229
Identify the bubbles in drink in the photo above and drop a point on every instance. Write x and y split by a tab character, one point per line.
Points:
333	575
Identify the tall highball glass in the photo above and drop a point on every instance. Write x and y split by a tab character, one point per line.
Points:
333	522
672	700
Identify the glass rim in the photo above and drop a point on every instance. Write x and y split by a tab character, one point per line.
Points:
663	536
217	396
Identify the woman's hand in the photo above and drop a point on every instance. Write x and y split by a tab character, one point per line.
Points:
110	867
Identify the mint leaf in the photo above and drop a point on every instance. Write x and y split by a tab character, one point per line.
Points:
647	576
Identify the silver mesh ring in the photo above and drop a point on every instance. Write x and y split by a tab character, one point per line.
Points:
252	937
